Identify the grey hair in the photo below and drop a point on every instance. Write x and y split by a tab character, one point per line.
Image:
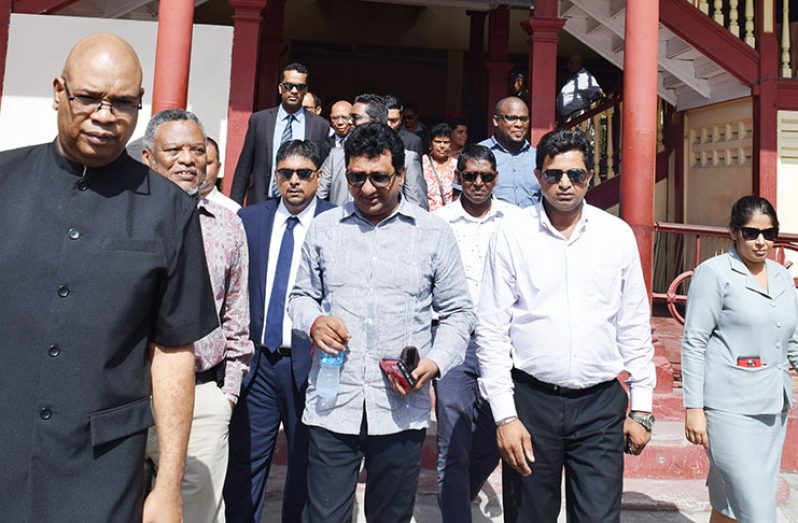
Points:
166	116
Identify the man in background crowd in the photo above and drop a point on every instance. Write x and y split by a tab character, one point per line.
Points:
213	167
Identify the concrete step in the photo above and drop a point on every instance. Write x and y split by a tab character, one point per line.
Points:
668	456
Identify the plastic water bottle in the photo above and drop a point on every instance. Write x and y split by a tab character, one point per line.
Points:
329	374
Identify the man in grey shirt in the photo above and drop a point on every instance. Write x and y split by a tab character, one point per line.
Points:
371	274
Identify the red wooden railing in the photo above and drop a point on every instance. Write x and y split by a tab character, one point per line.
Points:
680	248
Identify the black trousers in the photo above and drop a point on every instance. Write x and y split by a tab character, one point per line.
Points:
581	432
393	464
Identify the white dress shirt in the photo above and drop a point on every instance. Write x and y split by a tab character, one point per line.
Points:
473	235
219	198
278	229
572	312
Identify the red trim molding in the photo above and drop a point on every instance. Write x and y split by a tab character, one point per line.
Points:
709	37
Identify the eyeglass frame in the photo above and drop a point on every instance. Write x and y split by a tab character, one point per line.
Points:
477	174
370	177
512	118
584	175
290	86
99	102
745	233
303	174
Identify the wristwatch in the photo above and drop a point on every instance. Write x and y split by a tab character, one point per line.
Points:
644	418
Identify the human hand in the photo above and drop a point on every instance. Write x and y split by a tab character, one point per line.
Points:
329	334
162	506
637	434
695	427
515	446
423	373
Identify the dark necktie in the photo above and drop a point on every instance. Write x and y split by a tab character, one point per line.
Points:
287	136
274	315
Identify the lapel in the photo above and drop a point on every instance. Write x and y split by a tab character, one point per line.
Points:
271	121
264	236
776	284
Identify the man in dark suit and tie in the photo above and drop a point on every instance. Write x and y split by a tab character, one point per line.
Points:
270	128
274	390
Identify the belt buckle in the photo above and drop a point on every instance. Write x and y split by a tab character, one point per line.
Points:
556	388
284	351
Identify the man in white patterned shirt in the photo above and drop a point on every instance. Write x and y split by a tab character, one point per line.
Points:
563	311
175	148
467	452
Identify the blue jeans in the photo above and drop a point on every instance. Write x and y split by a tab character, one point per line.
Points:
467	450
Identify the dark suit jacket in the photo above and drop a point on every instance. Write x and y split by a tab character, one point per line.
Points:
258	220
412	141
254	169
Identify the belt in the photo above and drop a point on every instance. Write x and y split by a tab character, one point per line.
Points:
282	350
215	373
520	375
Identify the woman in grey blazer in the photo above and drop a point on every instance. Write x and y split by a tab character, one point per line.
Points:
740	333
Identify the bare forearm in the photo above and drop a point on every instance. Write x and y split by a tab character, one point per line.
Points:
173	403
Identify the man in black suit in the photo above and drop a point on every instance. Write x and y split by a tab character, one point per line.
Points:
411	140
268	129
274	390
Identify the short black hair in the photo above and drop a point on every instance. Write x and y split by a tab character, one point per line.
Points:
476	153
561	141
373	139
392	102
411	107
213	143
301	148
746	207
375	106
299	68
454	123
440	129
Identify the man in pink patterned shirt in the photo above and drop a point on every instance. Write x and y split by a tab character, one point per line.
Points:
175	148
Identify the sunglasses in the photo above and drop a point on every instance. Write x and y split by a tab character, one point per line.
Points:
302	174
752	233
512	118
288	86
378	180
576	175
471	176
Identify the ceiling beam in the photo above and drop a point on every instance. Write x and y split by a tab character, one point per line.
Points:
40	7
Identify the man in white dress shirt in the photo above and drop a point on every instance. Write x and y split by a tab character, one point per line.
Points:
208	187
467	452
563	310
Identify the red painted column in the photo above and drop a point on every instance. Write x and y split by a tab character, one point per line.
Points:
497	65
271	49
172	55
765	153
543	34
5	21
639	139
243	80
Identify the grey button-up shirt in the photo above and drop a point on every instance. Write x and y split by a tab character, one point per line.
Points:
383	281
516	183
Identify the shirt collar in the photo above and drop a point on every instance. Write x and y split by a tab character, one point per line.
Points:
282	113
405	208
545	223
495	211
495	144
305	216
205	206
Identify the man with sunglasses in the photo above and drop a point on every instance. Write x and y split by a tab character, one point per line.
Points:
563	311
110	289
369	108
274	390
467	452
175	147
270	128
515	157
371	273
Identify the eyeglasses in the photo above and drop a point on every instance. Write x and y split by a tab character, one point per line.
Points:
378	180
576	175
471	176
752	233
302	174
288	86
512	118
89	104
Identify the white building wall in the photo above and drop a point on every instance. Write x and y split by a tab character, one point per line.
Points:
39	44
